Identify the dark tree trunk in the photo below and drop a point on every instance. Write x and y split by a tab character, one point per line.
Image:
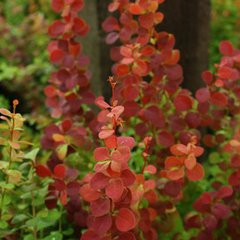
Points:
189	21
105	60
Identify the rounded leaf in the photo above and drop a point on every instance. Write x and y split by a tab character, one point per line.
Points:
125	220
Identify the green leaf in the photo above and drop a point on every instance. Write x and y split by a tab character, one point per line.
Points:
3	165
62	151
54	236
19	218
14	176
3	224
32	154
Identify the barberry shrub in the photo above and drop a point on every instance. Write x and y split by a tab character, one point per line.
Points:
139	171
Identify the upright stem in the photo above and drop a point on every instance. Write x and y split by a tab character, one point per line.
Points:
15	103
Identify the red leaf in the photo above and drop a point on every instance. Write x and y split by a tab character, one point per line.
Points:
190	162
101	103
110	24
50	91
101	225
57	5
90	235
225	73
111	142
59	171
100	207
127	177
126	141
140	68
127	236
154	115
73	188
57	56
183	103
210	222
226	48
172	162
207	77
151	169
135	9
175	174
43	171
113	6
166	139
224	192
101	154
114	189
146	20
89	194
202	95
195	174
178	150
99	181
220	211
57	28
121	69
219	99
125	220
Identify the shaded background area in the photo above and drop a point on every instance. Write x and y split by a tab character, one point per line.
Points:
24	66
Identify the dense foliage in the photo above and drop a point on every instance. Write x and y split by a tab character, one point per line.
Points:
155	162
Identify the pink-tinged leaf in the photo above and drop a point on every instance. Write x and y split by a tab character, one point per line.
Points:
5	112
101	225
226	48
99	181
179	150
127	236
113	6
125	220
116	111
219	99
190	162
126	141
225	191
114	189
101	103
183	103
151	169
127	177
195	174
198	151
202	95
203	203
59	171
112	37
89	194
101	154
43	171
100	207
175	174
116	167
106	133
